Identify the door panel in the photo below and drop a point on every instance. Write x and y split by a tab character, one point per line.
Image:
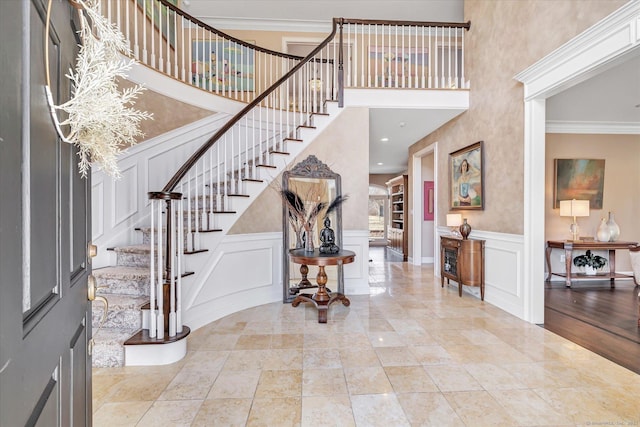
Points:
45	319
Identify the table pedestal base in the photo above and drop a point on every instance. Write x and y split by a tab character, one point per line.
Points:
321	304
321	299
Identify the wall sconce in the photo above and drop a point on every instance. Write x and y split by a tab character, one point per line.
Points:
454	221
574	208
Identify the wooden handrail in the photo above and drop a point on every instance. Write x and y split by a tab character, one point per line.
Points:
175	179
227	36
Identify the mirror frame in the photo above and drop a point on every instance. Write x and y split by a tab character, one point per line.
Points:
312	168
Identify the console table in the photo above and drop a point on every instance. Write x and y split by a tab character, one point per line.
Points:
462	260
568	246
321	299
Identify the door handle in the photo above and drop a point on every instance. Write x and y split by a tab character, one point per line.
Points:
91	296
92	251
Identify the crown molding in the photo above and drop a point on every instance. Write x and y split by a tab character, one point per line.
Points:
607	128
267	24
587	54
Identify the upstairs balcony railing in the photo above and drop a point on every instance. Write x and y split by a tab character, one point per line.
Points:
376	54
283	93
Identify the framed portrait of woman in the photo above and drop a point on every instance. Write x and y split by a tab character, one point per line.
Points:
466	178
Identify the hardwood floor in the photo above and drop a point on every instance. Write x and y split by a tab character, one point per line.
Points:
599	318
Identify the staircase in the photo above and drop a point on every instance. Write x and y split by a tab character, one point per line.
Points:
126	287
123	338
281	113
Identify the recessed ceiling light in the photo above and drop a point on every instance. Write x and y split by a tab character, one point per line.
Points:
380	163
385	139
401	124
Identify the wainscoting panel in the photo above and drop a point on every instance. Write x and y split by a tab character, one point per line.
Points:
124	202
246	270
504	270
356	274
118	206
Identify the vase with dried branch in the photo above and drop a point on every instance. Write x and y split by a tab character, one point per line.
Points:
303	216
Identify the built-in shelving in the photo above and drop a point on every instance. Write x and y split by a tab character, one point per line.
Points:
396	236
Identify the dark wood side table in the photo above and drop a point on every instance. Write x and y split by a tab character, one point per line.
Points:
321	299
568	246
462	260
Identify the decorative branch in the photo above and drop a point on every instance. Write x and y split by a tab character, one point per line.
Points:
100	118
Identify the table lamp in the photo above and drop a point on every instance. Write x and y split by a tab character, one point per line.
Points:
574	208
454	221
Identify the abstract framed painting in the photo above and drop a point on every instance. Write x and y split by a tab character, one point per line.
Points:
580	179
466	178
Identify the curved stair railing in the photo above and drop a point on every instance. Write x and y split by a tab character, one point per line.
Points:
283	93
218	172
169	40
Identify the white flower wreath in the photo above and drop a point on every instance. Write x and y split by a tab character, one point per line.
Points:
100	118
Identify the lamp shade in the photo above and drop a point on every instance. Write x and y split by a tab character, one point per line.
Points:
574	207
454	220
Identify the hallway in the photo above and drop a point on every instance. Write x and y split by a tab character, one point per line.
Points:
410	353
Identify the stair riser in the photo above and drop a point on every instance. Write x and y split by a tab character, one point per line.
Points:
138	286
121	318
133	259
108	354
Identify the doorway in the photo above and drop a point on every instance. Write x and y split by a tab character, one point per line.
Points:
378	205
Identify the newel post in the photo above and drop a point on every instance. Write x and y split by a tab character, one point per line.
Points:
162	294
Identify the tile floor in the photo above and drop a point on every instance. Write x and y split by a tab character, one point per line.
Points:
409	354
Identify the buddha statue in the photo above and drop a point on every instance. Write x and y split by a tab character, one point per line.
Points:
328	239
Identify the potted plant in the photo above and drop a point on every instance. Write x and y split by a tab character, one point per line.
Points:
590	262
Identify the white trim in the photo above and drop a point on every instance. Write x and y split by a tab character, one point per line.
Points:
182	91
603	128
610	41
591	52
155	354
416	185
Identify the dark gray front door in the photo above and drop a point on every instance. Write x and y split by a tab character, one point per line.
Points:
45	319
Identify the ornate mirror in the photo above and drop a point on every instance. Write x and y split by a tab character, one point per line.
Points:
311	187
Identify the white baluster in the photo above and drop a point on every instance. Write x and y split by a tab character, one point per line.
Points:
145	53
152	277
196	215
179	272
136	45
430	56
463	83
190	246
172	273
160	284
153	33
183	75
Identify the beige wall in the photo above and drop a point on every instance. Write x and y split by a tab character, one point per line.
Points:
621	184
381	178
168	114
273	39
344	147
505	38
